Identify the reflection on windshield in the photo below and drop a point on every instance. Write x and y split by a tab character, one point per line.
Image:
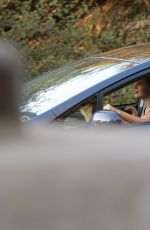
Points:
60	85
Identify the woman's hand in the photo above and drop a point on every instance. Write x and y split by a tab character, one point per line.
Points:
109	107
128	117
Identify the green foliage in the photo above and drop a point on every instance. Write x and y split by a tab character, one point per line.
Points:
122	96
51	33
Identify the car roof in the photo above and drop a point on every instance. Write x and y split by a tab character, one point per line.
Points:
138	53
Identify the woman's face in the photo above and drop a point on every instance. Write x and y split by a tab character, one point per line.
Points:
142	89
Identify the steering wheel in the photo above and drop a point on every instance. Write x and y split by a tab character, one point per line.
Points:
131	110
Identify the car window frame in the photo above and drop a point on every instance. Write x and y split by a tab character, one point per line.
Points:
110	89
130	74
122	79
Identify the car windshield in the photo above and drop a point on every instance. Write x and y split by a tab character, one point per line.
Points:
57	86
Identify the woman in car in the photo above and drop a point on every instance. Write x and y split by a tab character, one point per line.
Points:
142	91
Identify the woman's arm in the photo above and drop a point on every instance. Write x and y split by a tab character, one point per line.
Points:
128	117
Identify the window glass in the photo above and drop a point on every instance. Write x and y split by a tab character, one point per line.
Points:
81	113
121	96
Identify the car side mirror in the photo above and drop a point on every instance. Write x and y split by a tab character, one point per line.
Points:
105	117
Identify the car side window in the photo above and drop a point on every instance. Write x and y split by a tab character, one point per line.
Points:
123	96
80	113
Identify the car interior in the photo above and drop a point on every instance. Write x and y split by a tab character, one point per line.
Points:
80	114
83	112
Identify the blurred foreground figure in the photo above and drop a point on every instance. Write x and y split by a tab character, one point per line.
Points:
52	179
11	72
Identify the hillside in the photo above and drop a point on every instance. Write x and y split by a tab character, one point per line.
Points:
51	33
